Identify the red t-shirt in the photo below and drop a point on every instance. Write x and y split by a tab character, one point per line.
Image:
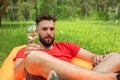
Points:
62	50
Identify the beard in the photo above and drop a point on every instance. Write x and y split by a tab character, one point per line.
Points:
46	43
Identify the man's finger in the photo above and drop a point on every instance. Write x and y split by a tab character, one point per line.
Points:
31	41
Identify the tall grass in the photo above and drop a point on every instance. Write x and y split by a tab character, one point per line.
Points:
96	36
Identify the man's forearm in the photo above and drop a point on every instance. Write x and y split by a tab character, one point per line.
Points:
19	69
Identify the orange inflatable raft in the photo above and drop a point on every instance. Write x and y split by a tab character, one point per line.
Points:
7	68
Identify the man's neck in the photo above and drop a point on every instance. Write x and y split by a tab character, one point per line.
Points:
44	47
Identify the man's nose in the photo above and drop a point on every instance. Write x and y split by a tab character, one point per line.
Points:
48	31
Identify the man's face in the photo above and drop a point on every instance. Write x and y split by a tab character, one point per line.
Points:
46	32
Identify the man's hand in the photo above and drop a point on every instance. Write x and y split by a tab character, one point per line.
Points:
98	59
31	47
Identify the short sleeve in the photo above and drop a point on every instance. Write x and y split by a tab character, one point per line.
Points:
19	53
74	48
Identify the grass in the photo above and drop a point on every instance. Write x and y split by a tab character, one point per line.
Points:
97	36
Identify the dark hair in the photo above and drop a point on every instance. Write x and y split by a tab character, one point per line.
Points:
45	17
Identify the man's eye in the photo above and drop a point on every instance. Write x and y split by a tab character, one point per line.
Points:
44	28
52	29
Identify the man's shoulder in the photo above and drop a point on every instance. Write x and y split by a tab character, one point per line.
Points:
68	44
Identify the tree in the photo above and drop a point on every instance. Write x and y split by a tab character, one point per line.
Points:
86	6
3	4
12	10
48	6
24	8
36	7
63	9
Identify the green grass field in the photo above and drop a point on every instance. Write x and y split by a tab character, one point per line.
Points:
97	36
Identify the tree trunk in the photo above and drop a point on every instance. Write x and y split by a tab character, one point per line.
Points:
12	11
3	4
36	7
0	21
119	10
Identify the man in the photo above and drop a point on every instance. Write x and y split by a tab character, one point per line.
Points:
40	59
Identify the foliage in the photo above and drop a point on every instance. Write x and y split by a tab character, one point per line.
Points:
47	6
100	16
97	36
19	10
24	8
